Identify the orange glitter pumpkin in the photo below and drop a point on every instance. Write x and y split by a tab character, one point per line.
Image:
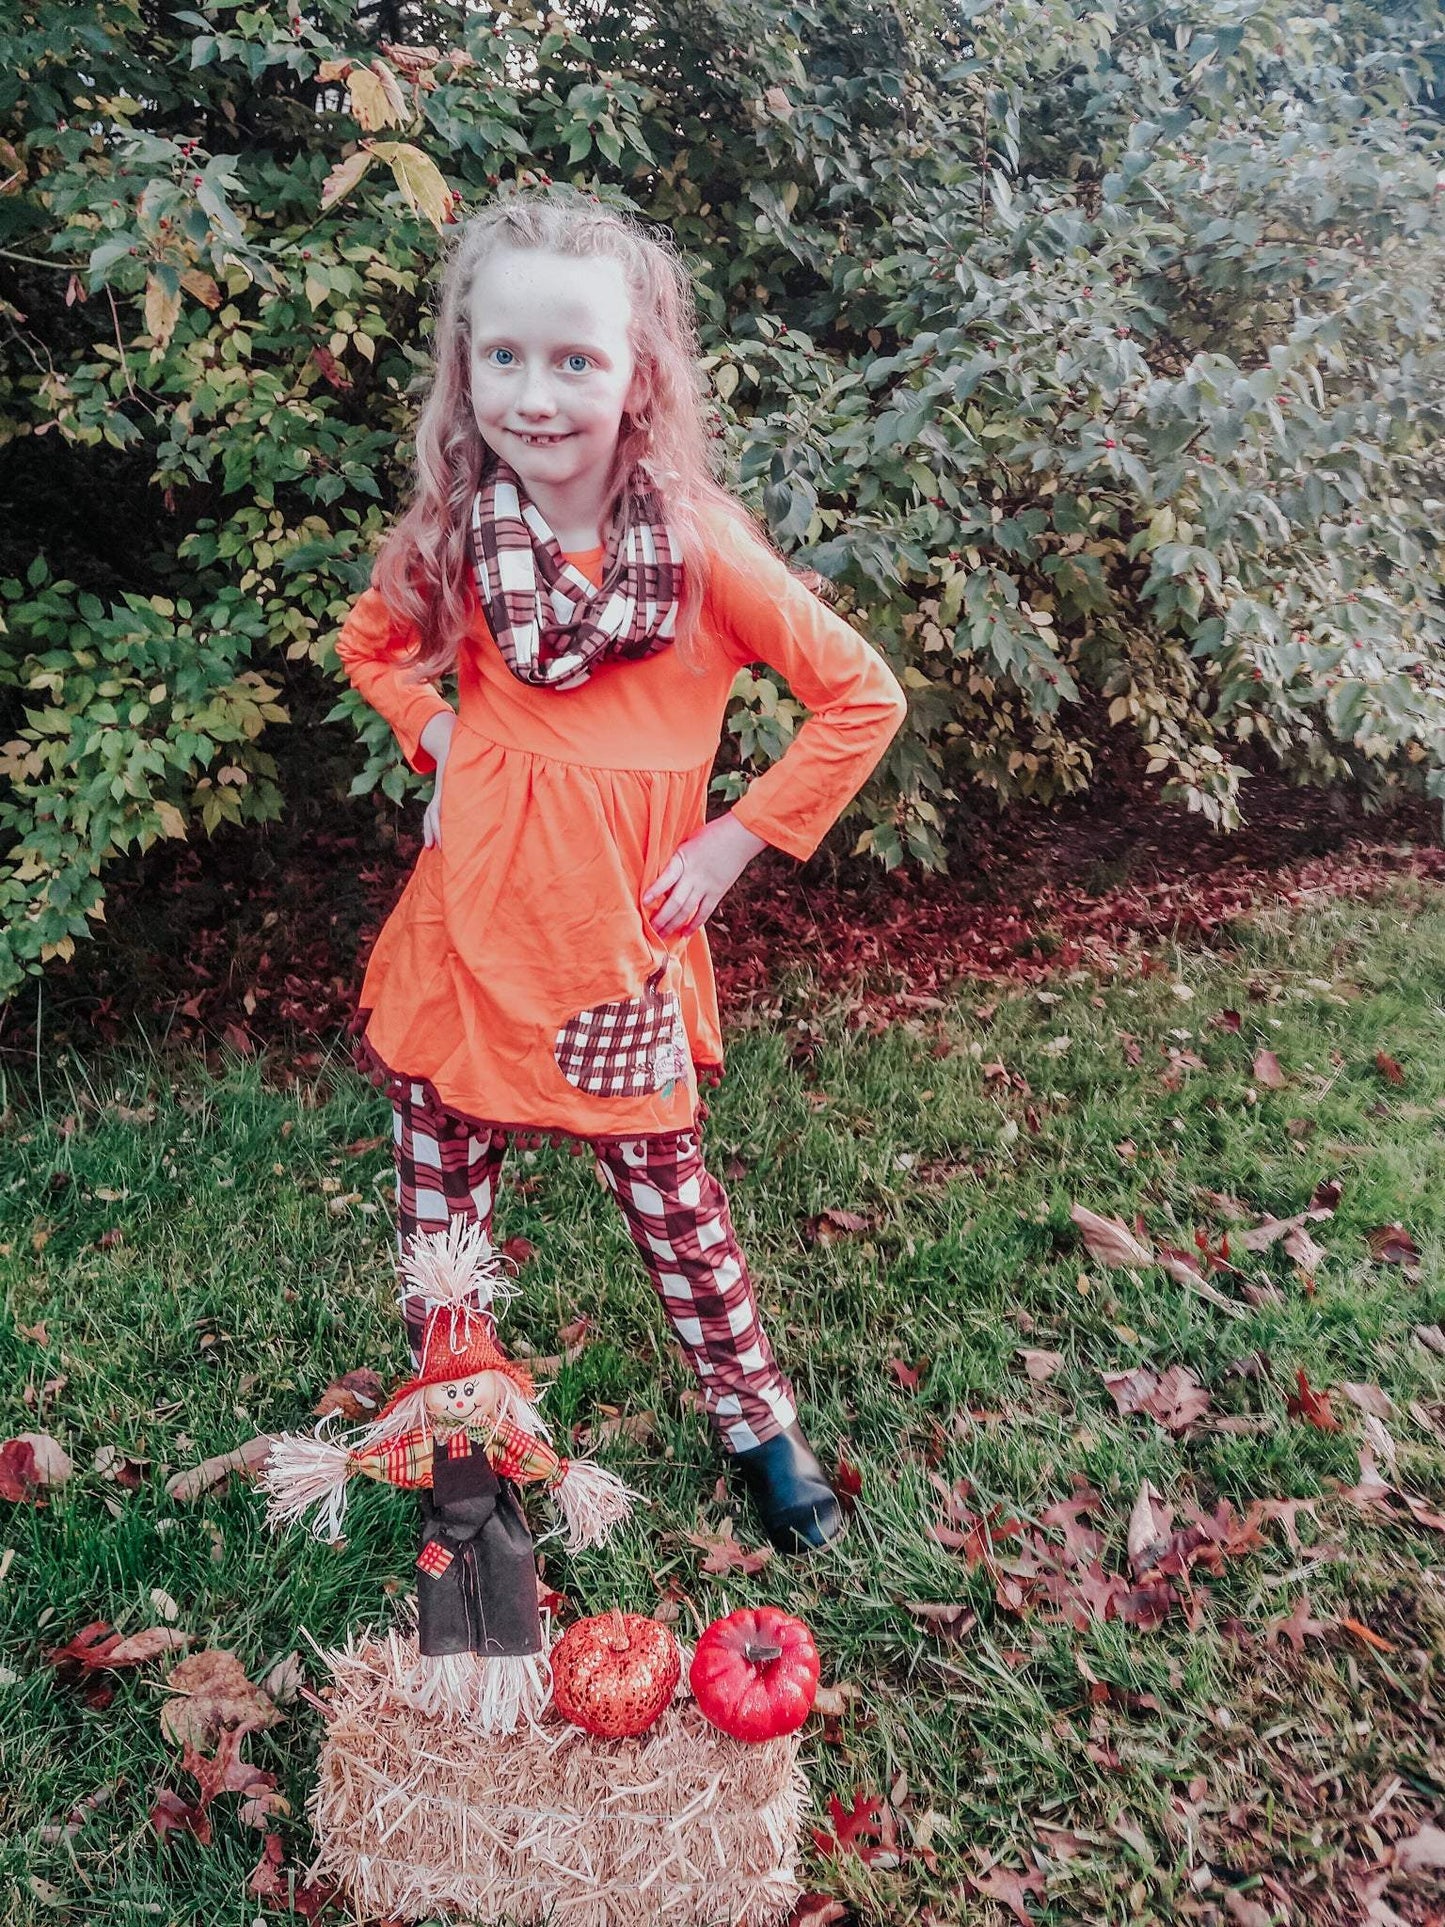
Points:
614	1675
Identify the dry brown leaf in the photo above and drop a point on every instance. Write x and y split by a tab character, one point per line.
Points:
1245	1912
1040	1365
724	1554
1297	1626
1174	1397
1391	1244
1432	1337
1150	1524
1266	1071
1369	1398
1301	1247
213	1694
357	1396
1421	1851
949	1621
1110	1241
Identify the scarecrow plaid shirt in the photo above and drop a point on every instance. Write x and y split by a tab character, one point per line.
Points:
511	1453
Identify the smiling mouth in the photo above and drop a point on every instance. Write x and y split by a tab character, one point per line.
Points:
541	441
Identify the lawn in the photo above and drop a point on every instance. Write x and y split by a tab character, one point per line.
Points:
1243	1724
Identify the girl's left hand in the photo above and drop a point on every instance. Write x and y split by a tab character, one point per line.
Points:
699	876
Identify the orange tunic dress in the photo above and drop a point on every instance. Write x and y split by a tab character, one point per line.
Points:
519	981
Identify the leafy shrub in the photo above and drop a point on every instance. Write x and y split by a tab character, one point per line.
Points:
1092	350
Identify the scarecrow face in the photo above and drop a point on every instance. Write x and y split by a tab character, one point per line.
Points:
472	1396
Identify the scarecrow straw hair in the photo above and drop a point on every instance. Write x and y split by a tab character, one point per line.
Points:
455	1269
680	1825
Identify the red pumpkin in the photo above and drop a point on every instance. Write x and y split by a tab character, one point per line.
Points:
614	1675
755	1673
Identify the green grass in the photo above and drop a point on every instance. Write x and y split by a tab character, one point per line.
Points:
238	1293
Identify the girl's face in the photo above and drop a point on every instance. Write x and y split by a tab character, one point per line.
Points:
475	1396
551	364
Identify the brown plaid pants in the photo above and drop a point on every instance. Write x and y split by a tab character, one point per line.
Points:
678	1217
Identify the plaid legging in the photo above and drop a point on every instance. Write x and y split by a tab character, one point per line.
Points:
677	1214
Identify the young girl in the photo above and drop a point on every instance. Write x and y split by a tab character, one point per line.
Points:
545	971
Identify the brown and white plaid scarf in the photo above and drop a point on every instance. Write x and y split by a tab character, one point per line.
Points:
552	624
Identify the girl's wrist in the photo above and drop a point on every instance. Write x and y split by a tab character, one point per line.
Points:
437	736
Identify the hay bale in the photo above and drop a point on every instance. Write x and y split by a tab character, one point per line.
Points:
416	1817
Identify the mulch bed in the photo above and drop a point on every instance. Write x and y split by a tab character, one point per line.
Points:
256	939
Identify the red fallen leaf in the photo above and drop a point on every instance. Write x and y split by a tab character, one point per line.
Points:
816	1910
1388	1068
224	1771
573	1338
1082	1544
518	1249
847	1483
724	1554
172	1814
1391	1244
314	1897
357	1396
1145	1607
1311	1405
1266	1071
909	1377
96	1648
835	1223
1174	1397
1287	1512
267	1877
1364	1633
1226	1020
20	1480
1297	1626
1010	1889
866	1829
108	1240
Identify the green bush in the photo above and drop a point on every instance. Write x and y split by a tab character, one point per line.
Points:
1091	347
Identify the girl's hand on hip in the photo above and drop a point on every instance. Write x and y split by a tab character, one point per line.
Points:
436	740
699	875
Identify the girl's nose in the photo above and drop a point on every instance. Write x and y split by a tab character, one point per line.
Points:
536	397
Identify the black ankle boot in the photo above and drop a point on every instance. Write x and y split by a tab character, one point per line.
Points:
798	1509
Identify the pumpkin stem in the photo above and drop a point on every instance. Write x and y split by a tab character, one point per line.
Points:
619	1631
761	1654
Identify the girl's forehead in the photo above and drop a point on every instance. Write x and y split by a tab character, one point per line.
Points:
551	295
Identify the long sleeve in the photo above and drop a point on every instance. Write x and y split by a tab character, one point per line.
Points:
855	702
374	647
405	1461
517	1455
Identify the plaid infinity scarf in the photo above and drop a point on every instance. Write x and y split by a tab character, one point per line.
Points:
551	623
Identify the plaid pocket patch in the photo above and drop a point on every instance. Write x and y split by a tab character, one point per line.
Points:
626	1049
433	1559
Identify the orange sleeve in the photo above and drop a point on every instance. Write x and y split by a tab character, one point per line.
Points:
764	613
374	647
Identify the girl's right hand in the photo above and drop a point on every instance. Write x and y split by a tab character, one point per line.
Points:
436	740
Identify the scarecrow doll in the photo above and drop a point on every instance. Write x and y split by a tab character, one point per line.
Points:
464	1432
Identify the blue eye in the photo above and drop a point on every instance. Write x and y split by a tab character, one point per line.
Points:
503	357
578	364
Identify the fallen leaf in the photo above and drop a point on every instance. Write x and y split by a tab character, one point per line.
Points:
1110	1240
1311	1405
210	1473
1297	1626
19	1475
172	1814
847	1483
1432	1337
862	1828
1388	1068
284	1681
212	1694
518	1249
1369	1398
1421	1851
1286	1512
908	1377
1245	1912
96	1648
1228	1020
1150	1521
1040	1365
834	1223
816	1910
950	1622
724	1554
1301	1247
267	1879
1010	1889
47	1465
1174	1397
1364	1633
1391	1244
356	1396
1266	1071
76	1818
